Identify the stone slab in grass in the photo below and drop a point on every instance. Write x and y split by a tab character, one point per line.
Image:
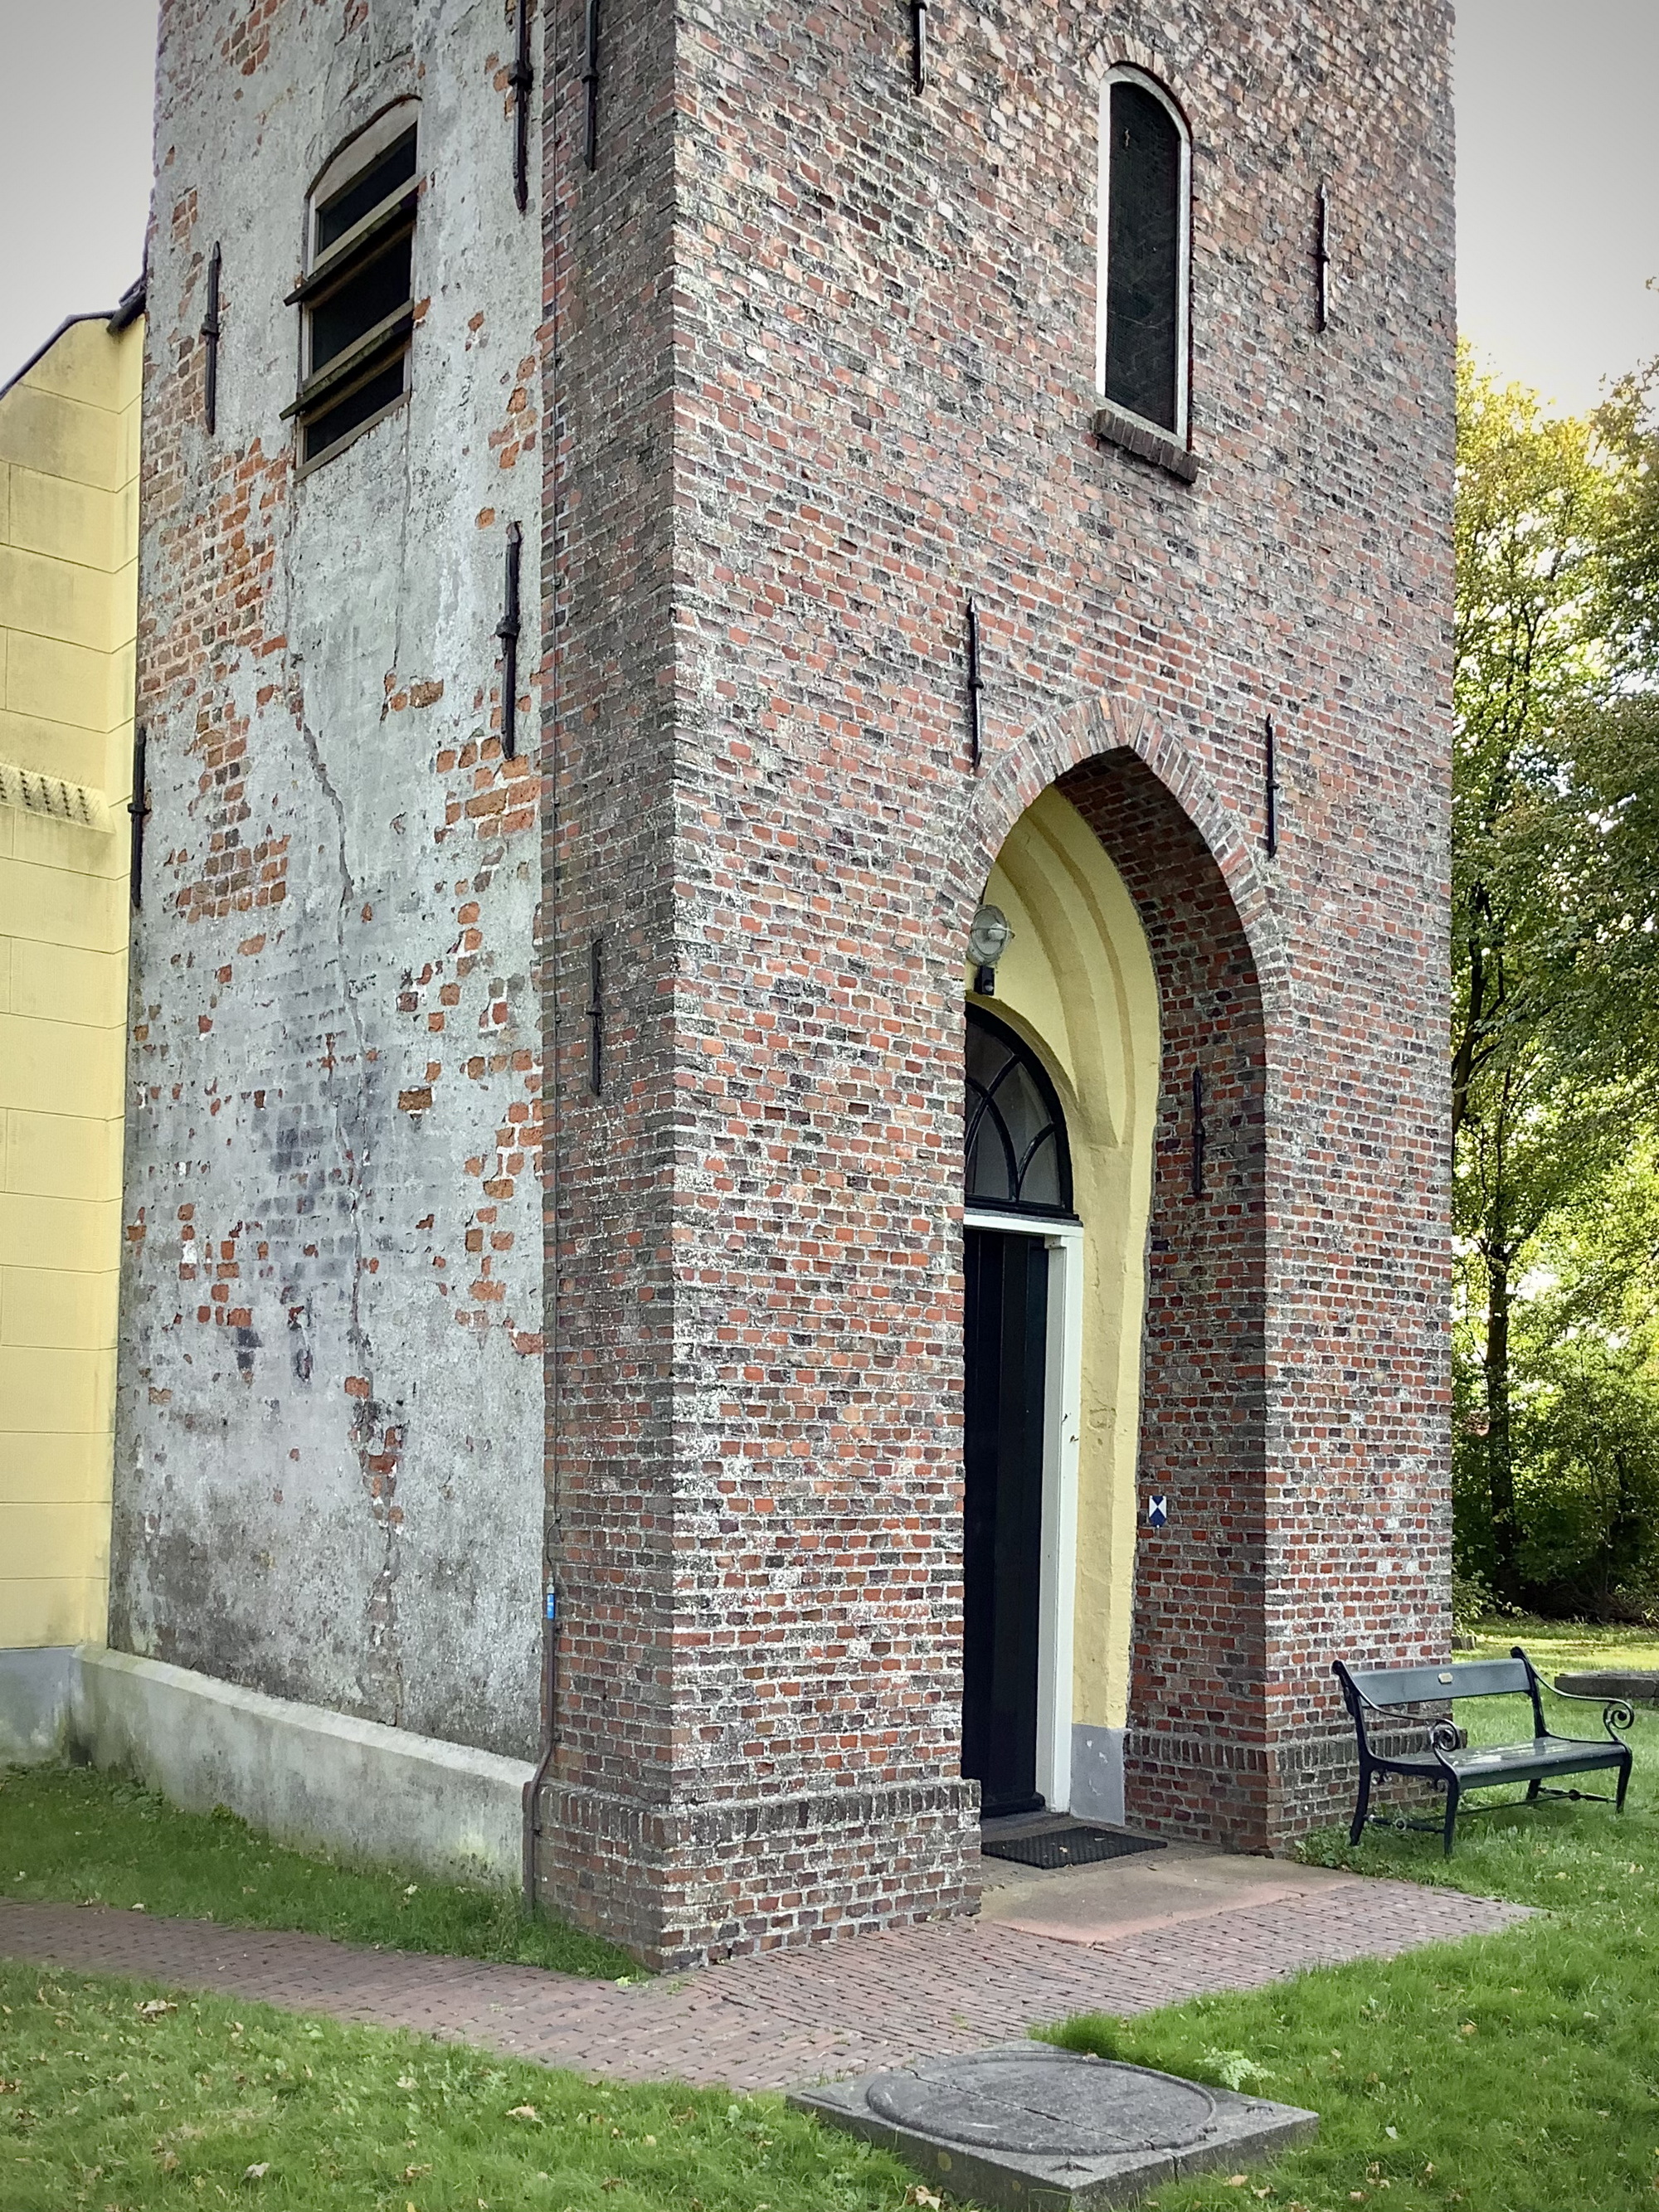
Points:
1612	1683
1032	2129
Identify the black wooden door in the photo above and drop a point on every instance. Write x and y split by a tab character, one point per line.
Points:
1007	1342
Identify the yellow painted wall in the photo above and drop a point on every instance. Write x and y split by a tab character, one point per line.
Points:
68	547
1077	982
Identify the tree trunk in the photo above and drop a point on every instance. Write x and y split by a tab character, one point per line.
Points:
1500	1453
1622	1549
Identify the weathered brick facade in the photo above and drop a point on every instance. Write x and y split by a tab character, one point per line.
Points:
815	357
328	1468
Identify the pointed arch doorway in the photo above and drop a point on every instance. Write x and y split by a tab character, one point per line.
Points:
1057	1191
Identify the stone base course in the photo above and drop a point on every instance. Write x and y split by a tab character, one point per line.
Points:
710	1881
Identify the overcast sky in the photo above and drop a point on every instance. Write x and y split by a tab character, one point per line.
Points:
1558	188
1558	177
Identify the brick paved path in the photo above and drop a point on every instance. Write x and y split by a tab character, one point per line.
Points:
765	2021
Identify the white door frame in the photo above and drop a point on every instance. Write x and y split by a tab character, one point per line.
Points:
1062	1426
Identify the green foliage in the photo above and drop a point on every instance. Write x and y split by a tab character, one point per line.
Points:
1535	503
1589	1492
1584	1351
1472	1601
72	1835
1627	425
1555	1060
1234	2069
1515	2072
127	2097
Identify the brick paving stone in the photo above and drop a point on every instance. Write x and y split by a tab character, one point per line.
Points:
773	2018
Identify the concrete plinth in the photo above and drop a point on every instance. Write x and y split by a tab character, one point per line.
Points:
37	1696
308	1777
1641	1687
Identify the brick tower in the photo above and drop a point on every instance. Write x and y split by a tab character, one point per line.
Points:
756	487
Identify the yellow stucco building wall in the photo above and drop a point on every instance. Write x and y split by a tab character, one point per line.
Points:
69	468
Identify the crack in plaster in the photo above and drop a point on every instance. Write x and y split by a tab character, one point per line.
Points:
371	1440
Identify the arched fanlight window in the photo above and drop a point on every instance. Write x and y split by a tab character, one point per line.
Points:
1145	228
1015	1130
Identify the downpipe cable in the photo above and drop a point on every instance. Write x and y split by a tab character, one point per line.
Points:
533	1788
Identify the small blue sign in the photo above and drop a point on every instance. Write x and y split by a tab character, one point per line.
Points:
1158	1512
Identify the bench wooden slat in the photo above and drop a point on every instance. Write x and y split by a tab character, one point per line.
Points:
1428	1686
1514	1762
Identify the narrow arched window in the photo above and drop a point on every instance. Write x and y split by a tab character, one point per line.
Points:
1014	1129
356	298
1145	171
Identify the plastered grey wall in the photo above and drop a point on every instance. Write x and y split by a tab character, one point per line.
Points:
329	1475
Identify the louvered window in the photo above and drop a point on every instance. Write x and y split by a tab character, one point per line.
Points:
356	299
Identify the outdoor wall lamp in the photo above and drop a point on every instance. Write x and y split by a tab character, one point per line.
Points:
988	940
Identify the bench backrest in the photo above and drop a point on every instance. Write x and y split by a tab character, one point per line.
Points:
1433	1686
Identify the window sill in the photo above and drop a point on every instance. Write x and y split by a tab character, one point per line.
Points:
1145	444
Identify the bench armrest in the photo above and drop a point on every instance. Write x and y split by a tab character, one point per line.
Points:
1444	1736
1617	1713
1358	1704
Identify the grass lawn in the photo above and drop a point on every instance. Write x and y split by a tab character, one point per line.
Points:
1517	2072
1554	1644
111	2102
74	1836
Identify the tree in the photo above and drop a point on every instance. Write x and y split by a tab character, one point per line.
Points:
1555	1044
1628	426
1534	514
1587	1396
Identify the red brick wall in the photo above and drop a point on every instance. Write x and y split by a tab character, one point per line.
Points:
881	320
608	873
815	360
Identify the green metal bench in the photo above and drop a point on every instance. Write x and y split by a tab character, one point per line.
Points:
1380	1694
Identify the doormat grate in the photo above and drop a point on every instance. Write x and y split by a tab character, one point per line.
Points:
1075	1843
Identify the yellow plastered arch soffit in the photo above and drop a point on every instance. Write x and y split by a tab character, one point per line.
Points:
1077	982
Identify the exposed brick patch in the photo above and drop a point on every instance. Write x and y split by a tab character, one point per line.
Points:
329	1478
248	43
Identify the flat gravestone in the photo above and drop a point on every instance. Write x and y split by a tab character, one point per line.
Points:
1038	2129
1612	1683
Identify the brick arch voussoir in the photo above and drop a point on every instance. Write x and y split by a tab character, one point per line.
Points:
1111	50
1082	731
